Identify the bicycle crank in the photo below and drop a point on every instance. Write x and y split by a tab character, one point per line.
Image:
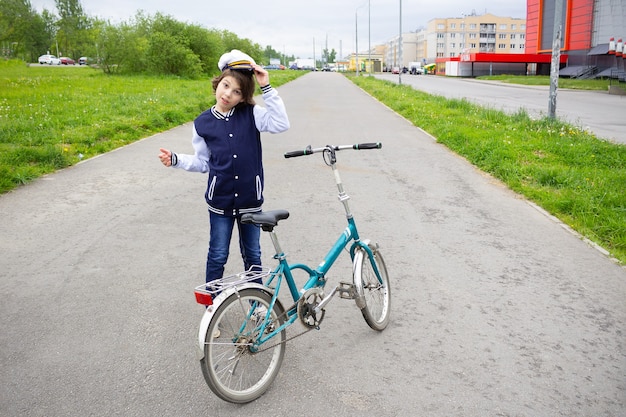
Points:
309	312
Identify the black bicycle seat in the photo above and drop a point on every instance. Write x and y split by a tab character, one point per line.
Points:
266	219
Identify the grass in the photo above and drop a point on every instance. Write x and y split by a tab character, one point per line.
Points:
52	117
578	84
575	176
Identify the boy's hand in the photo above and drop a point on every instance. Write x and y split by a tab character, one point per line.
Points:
166	157
261	75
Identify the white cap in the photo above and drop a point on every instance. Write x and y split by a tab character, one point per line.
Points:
235	59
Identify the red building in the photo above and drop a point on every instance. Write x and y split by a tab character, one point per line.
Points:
591	42
588	28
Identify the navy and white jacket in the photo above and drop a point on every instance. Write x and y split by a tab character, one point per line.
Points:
228	147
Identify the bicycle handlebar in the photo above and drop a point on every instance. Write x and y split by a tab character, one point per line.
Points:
309	151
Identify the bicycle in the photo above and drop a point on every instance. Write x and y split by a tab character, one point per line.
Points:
242	335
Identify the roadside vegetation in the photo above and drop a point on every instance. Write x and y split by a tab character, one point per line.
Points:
51	118
143	44
572	174
577	84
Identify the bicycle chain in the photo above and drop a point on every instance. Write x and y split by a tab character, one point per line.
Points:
285	341
289	338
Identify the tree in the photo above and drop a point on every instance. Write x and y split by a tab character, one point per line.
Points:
232	41
329	57
72	26
23	33
207	45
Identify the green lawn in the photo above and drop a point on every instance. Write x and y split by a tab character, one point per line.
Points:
52	117
578	84
569	172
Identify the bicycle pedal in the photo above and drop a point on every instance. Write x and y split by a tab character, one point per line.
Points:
346	291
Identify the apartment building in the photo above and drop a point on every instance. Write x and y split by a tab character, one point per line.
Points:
487	33
451	37
400	57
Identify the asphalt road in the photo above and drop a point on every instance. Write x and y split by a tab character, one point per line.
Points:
596	111
497	308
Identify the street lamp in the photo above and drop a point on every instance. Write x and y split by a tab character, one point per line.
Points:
400	47
356	26
369	34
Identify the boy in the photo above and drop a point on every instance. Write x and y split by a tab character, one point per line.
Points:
227	144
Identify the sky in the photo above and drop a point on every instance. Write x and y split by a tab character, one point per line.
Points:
302	28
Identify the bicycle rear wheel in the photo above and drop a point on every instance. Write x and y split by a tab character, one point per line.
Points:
232	368
376	294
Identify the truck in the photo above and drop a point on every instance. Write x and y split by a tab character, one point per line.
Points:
416	68
303	64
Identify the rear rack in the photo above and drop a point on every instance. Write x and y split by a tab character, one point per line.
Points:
215	287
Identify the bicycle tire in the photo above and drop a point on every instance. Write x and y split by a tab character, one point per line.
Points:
375	295
232	371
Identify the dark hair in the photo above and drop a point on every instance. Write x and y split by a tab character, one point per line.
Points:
245	79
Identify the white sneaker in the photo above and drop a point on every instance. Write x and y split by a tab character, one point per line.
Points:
259	313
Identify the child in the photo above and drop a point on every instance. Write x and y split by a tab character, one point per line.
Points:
227	144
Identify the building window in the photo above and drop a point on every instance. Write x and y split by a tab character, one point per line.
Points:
522	36
462	25
523	27
501	35
472	25
522	46
512	46
440	46
472	36
452	25
441	26
502	46
512	35
513	27
473	45
452	45
453	35
441	35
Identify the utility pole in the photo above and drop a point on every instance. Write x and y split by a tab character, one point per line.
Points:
556	57
400	47
356	37
369	35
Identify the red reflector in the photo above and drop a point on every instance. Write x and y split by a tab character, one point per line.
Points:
204	298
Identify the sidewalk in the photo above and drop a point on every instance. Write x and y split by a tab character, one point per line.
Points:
497	309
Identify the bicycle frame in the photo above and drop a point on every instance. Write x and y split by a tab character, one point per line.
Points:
317	277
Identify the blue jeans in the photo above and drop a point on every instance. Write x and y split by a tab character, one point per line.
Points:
219	244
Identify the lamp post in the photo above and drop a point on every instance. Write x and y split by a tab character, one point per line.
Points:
400	47
356	37
356	28
369	34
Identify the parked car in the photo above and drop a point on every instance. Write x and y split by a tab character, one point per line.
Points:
67	61
83	60
395	70
49	59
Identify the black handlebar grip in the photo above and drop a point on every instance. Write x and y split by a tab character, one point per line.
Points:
293	154
372	145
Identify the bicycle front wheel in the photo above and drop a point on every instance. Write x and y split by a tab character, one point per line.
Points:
375	294
234	369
